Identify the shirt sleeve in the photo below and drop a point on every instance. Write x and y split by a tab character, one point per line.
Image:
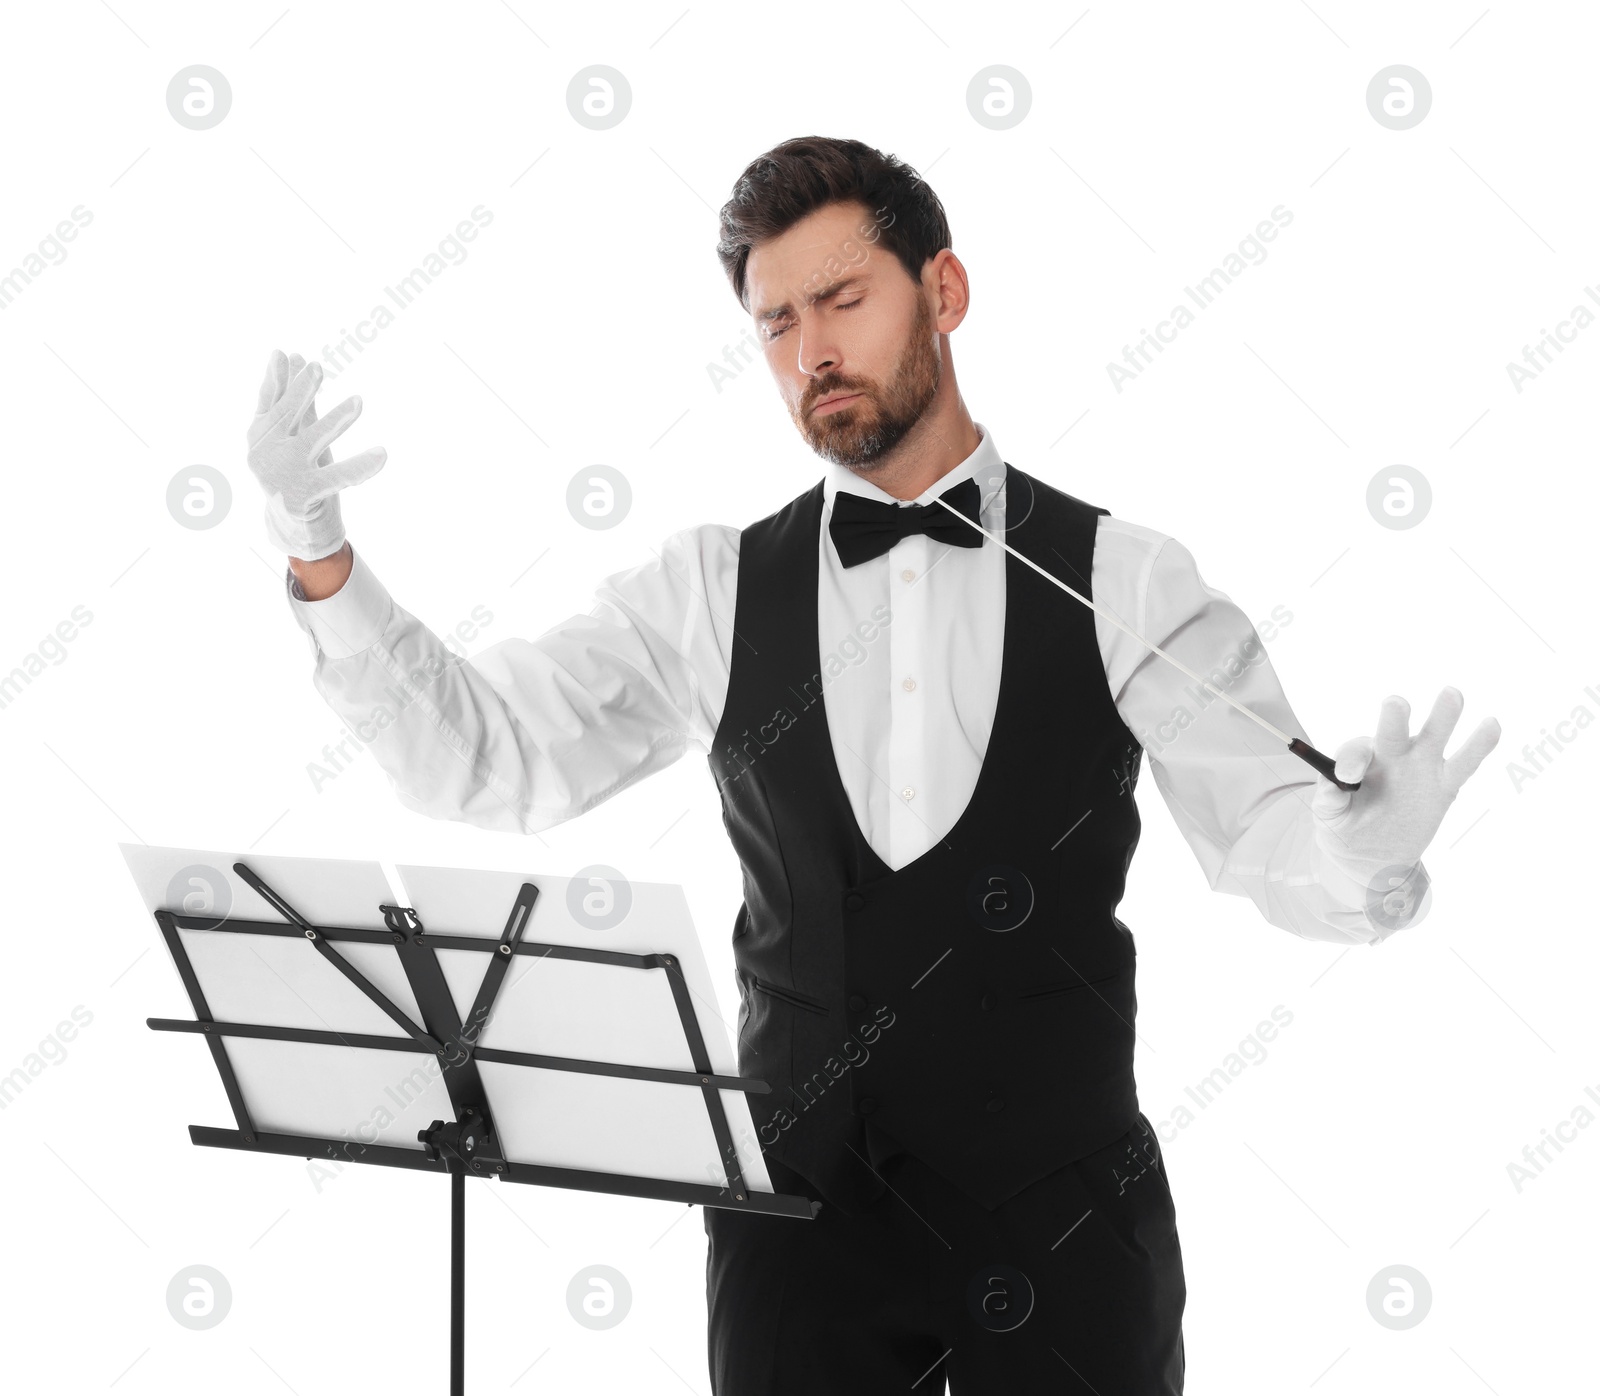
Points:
532	732
1241	800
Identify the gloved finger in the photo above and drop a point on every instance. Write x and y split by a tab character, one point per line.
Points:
1470	755
1329	804
1351	760
1435	732
1394	727
272	384
297	396
350	471
296	363
320	435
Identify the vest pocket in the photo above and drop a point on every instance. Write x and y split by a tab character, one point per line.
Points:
788	996
1050	990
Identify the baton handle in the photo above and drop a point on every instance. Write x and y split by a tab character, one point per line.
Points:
1320	763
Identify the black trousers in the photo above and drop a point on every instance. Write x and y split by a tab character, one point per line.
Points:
1074	1285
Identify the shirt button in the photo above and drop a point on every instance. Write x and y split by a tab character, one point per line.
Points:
907	793
854	902
856	1002
908	684
866	1105
987	1001
995	1103
908	575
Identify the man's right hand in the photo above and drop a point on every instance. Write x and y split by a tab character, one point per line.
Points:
289	454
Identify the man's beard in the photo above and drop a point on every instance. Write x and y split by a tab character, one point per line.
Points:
877	422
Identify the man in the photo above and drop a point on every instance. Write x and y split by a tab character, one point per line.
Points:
926	755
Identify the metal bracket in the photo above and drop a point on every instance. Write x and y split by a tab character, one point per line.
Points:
468	1141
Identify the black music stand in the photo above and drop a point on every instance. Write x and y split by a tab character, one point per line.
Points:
470	1143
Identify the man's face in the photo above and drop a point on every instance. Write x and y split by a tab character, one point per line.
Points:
838	318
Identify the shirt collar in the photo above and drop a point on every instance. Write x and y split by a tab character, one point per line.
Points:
984	464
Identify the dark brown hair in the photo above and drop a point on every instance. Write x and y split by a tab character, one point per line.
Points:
795	179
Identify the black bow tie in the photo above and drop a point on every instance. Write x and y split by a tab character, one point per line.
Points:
863	528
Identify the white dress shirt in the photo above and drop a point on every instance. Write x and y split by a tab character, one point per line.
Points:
529	733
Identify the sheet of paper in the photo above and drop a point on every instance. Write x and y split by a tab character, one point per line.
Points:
607	1013
546	1005
281	981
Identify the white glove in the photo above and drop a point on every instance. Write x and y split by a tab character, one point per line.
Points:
1406	787
289	454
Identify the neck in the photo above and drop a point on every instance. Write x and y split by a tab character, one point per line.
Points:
943	437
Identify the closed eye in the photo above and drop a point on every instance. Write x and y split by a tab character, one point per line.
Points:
845	305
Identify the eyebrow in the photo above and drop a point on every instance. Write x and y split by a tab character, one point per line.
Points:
766	317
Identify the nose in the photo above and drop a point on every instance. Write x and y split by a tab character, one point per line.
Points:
818	354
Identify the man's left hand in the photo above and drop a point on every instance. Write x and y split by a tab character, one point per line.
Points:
1406	786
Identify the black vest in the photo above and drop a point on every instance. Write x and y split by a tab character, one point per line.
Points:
975	1007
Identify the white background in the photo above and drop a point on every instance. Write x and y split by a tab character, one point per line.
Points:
1377	1130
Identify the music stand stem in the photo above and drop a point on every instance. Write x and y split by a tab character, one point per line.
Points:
458	1279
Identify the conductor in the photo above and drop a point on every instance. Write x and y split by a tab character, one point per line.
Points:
926	757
